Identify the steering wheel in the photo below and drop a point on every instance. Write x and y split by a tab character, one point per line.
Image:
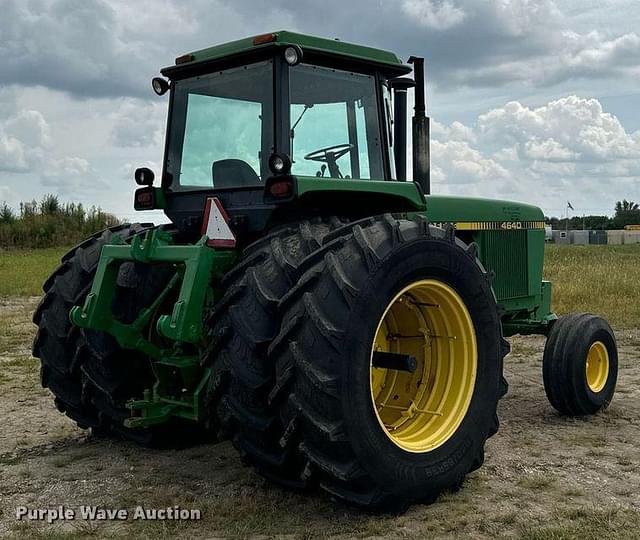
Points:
330	155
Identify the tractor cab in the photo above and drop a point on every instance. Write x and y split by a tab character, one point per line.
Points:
249	119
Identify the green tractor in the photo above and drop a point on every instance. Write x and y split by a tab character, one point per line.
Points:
343	327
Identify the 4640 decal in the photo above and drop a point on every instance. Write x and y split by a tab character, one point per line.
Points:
492	225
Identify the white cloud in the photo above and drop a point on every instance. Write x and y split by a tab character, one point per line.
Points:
30	127
456	131
432	14
459	163
23	138
520	17
563	130
106	48
12	155
111	48
5	193
594	55
68	166
72	177
568	55
138	123
568	147
548	150
71	45
27	149
550	169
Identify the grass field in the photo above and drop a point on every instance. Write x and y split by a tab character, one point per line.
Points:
23	271
598	279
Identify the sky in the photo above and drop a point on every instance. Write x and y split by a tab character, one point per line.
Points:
531	100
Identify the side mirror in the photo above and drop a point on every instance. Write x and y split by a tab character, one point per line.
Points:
144	176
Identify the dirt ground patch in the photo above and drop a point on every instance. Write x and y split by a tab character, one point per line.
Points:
544	477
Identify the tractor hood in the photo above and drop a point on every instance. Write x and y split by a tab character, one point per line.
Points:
444	208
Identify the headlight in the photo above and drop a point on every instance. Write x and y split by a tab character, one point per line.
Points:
144	176
279	163
293	55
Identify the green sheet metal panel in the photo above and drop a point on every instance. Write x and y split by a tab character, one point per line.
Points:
447	208
505	254
318	44
309	185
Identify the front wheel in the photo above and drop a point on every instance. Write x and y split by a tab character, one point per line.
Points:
580	364
390	362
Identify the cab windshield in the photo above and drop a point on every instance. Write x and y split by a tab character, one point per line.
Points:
335	128
222	128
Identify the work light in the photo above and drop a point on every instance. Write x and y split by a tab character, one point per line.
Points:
293	55
160	85
144	176
279	163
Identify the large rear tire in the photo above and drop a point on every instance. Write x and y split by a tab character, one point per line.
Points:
90	376
382	438
241	327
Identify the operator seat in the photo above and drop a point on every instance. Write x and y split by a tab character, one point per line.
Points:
228	173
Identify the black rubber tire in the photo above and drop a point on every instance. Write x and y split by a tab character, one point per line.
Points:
322	357
241	327
114	375
564	363
89	375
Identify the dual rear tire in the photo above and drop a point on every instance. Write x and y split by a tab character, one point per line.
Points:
323	414
90	377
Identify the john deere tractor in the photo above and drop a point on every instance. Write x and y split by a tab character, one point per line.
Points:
341	325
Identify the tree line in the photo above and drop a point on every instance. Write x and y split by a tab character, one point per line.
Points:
48	223
625	213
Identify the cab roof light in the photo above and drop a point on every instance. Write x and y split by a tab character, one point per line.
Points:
184	59
264	38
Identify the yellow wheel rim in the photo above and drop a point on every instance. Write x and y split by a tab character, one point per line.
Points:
420	411
597	366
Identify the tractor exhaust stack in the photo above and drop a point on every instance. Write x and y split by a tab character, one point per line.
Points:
421	127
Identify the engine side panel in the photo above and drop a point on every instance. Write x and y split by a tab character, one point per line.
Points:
510	239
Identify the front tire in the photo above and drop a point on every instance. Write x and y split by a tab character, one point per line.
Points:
333	400
580	364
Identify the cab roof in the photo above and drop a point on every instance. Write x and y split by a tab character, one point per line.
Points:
387	61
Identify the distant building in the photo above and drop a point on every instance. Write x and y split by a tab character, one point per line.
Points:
560	237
